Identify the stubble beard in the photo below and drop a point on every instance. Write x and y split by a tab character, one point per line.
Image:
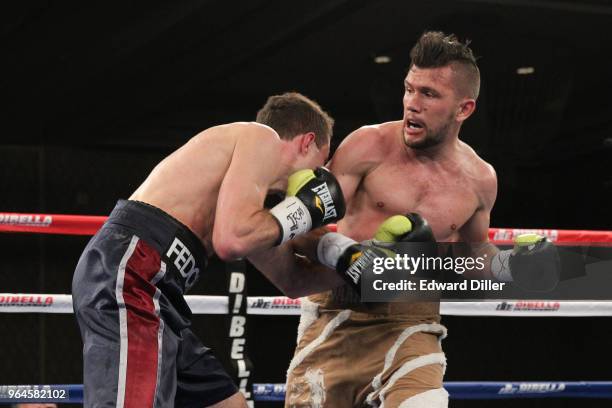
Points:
432	138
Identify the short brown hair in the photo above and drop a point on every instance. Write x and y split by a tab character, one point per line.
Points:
435	49
292	114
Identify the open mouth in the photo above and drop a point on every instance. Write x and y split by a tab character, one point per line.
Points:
411	124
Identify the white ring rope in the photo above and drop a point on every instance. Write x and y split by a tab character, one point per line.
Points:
280	305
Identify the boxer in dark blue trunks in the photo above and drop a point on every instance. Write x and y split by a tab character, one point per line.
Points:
130	281
207	197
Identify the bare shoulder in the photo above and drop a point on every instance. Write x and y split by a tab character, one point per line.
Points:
245	129
251	134
369	143
481	172
478	167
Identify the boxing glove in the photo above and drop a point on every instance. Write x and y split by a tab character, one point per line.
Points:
403	228
533	264
314	198
351	259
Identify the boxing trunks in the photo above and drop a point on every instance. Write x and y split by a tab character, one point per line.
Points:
353	354
139	350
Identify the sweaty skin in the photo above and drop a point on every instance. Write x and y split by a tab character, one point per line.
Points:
381	177
217	182
215	185
395	168
417	164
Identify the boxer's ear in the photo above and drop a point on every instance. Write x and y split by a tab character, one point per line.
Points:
466	108
307	139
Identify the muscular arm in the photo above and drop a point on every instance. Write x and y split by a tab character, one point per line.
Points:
293	268
300	275
242	225
358	154
476	231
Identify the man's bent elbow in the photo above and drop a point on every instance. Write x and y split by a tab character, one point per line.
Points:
229	248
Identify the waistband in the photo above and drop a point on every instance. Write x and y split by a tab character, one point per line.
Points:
179	247
344	297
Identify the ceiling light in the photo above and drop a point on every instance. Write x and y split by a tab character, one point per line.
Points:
382	59
525	70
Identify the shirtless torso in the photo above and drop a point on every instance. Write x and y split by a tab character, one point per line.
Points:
207	197
219	175
450	193
416	165
454	190
381	176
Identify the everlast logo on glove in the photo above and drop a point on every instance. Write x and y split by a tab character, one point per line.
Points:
324	195
319	198
359	262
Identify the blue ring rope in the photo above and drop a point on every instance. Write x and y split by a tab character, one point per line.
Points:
73	393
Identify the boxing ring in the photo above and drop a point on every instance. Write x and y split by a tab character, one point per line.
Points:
279	306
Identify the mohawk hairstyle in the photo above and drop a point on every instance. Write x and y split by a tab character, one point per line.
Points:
435	49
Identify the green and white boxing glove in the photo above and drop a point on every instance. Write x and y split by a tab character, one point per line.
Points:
314	198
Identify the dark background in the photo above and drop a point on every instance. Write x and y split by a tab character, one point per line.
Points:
95	94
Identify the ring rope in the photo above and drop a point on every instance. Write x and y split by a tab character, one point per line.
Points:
280	305
469	390
89	225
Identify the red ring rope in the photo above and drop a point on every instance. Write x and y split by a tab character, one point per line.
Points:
89	224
